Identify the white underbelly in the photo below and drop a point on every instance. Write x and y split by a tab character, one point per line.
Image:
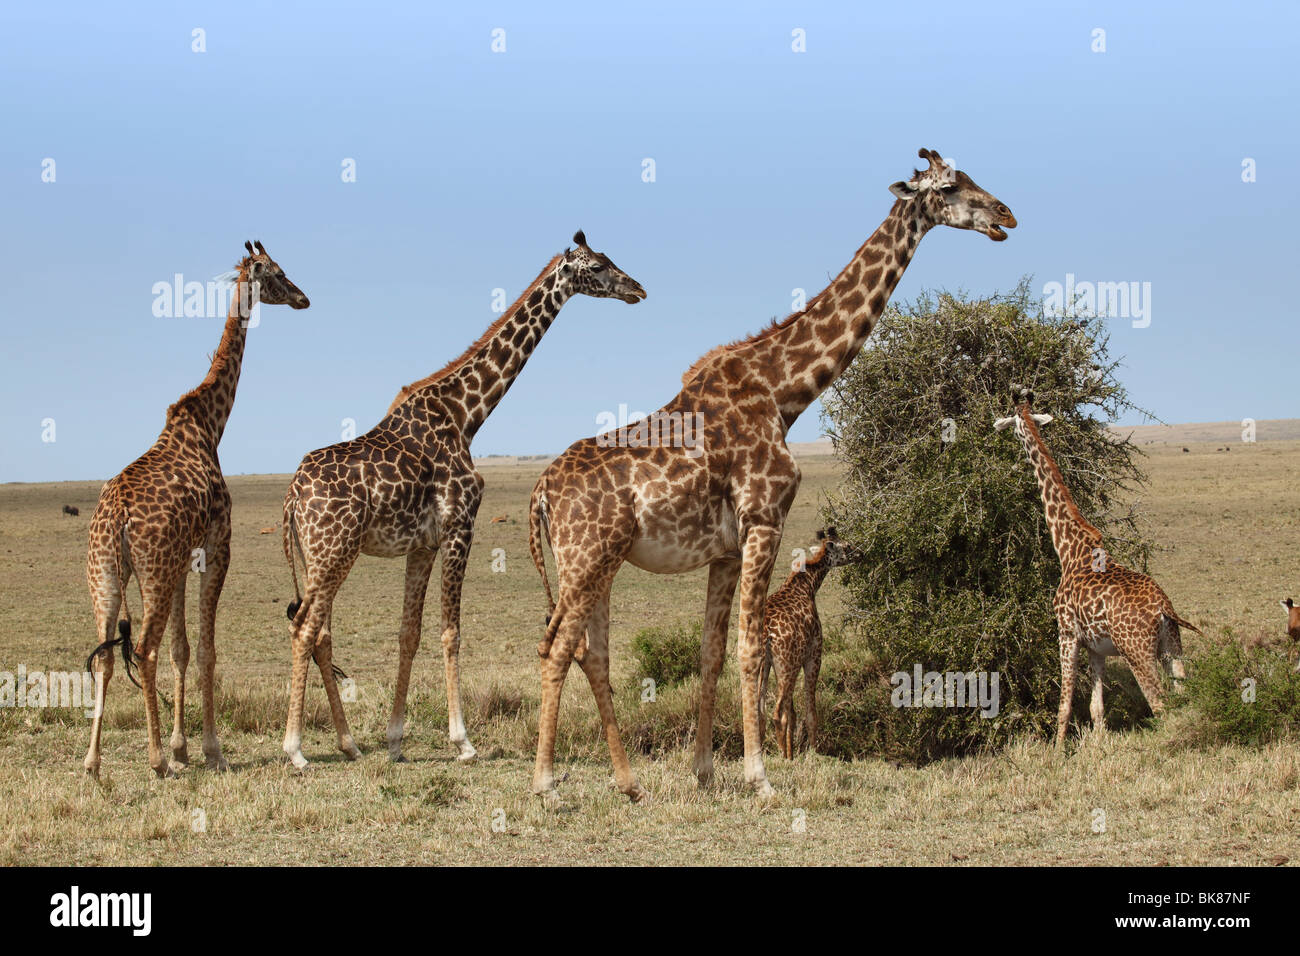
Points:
1101	645
672	552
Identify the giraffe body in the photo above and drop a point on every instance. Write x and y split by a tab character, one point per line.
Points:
408	487
1101	606
673	506
166	513
792	639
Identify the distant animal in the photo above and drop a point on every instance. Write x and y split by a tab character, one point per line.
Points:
792	638
269	529
1293	623
1186	451
1100	605
500	518
71	510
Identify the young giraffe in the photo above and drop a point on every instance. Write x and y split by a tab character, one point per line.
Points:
150	518
721	500
792	638
1099	604
409	487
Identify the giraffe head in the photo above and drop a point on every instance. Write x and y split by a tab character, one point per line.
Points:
1023	400
593	273
830	552
948	197
273	286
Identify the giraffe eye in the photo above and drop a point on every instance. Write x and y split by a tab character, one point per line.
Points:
598	267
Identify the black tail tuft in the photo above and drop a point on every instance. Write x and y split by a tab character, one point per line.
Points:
548	620
292	609
124	630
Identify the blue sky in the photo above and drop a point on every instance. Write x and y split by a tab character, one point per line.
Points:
474	167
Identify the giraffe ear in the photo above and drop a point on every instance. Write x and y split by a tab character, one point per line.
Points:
821	535
249	246
831	532
1041	419
1288	603
580	238
903	190
1000	424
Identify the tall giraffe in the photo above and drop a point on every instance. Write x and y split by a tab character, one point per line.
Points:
669	503
1099	604
409	487
156	512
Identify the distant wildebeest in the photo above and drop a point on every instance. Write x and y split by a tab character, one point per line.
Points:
71	510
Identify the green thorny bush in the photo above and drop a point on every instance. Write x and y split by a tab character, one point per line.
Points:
960	570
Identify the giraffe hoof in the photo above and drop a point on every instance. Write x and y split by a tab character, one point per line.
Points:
218	763
299	761
551	799
351	751
639	794
169	771
397	758
180	752
763	789
465	751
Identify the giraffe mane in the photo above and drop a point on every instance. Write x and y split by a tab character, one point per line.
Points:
419	385
776	325
1055	472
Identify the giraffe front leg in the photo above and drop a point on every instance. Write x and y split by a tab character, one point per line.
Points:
759	556
455	556
180	655
1097	665
723	575
210	583
1069	664
419	565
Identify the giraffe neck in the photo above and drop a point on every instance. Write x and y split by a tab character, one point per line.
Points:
802	358
810	579
1072	536
212	401
471	386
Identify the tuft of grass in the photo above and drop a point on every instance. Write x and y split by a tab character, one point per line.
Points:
1244	694
667	655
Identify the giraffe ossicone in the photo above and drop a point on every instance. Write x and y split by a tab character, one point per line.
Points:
652	504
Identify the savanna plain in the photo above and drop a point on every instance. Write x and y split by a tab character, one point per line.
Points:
1225	523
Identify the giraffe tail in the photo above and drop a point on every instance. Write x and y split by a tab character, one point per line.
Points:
1181	623
536	534
292	544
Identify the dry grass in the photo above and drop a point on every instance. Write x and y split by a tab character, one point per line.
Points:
1226	520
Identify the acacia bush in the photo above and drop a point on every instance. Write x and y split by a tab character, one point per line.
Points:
960	570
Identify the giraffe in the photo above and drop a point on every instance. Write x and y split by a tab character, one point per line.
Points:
670	502
409	487
1099	604
153	516
792	637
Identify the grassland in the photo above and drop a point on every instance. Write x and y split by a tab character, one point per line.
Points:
1226	523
